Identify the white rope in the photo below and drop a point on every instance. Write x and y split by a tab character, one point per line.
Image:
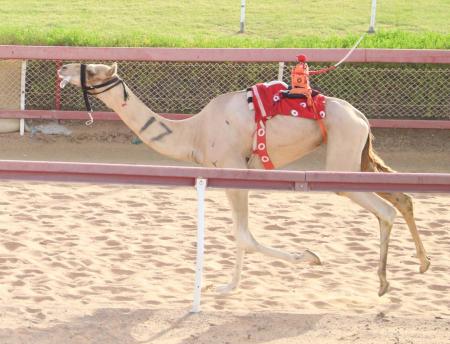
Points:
352	50
90	120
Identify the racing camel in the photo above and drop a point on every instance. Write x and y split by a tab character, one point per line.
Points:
221	136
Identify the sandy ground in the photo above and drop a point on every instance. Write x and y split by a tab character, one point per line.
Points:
115	264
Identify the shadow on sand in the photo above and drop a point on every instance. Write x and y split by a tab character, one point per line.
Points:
123	326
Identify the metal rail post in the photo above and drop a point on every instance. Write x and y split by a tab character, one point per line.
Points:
200	185
280	70
242	28
23	78
372	16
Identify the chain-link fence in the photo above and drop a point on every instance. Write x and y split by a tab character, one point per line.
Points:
398	91
10	84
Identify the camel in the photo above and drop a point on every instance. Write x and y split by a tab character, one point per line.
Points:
221	136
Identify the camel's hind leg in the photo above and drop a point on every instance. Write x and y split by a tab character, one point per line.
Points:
404	205
246	242
347	137
371	162
386	215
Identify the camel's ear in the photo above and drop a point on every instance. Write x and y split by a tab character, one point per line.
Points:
91	70
112	70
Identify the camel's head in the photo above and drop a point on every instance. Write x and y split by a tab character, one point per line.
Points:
95	74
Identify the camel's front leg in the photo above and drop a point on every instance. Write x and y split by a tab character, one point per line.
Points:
235	279
246	242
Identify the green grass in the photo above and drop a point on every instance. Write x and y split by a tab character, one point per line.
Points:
205	23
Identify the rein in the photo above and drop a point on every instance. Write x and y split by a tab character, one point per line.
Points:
333	67
351	50
85	88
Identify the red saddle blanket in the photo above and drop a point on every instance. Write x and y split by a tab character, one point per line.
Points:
267	100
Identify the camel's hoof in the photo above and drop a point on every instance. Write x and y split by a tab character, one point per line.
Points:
313	258
383	289
424	265
226	289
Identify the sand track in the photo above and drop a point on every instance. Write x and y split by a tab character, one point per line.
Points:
86	263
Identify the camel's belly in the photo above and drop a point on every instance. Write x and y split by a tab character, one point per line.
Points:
289	138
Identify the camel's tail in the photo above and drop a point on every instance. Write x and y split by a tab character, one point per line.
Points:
370	161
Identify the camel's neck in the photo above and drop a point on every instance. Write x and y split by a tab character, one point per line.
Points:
172	138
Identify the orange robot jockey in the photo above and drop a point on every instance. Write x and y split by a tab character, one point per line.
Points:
300	79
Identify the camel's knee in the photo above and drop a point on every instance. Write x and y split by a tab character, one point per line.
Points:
377	206
403	202
406	204
245	241
387	217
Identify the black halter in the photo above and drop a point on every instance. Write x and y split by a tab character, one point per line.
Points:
111	83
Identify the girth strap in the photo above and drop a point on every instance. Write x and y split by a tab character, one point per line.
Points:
323	130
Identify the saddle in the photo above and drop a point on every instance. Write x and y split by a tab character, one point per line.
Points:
286	94
272	99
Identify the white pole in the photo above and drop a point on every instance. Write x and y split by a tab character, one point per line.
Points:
200	185
280	71
23	74
242	16
372	16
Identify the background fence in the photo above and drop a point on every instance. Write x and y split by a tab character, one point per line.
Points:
406	88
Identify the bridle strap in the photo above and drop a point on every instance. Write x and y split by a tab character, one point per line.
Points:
113	82
85	88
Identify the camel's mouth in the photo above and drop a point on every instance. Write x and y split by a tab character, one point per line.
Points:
65	80
60	73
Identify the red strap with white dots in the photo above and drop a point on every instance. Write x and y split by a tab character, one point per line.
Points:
268	102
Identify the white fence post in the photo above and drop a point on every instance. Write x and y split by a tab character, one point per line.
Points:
280	71
200	185
372	16
23	74
242	29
